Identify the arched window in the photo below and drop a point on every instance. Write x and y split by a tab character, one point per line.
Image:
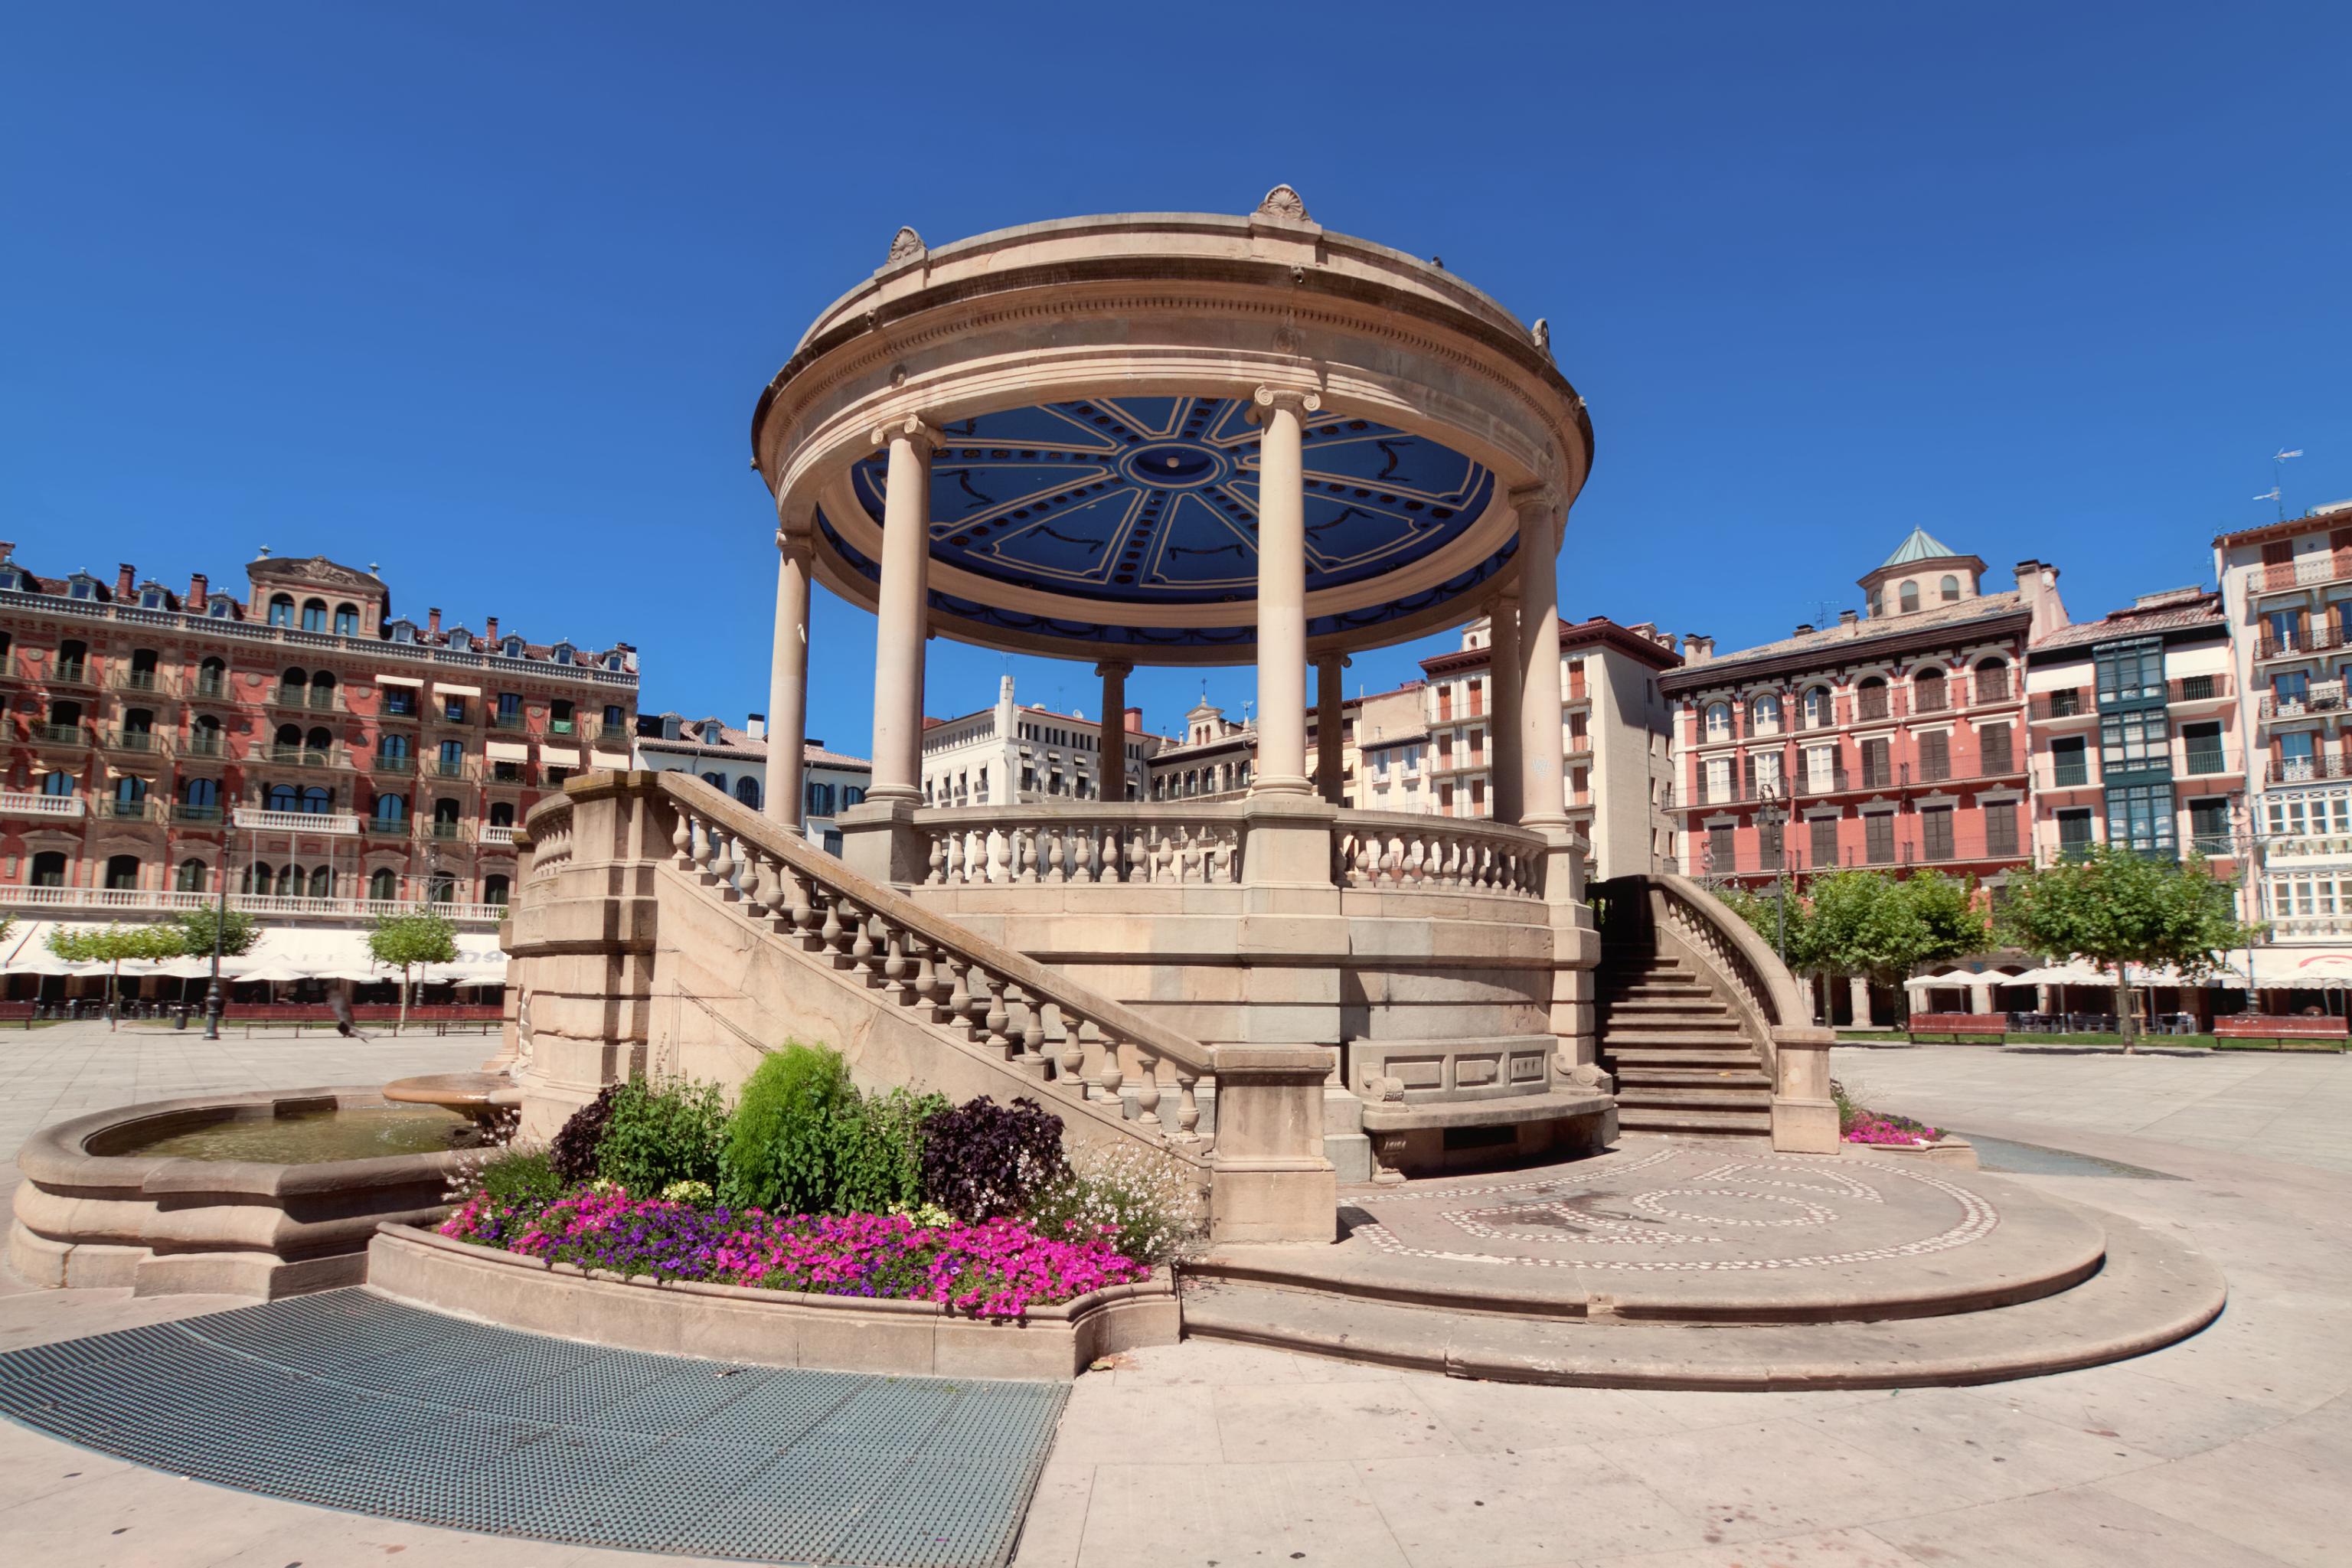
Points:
281	610
559	716
192	877
322	881
130	797
747	790
502	813
314	615
494	890
1718	722
320	741
393	750
851	795
383	887
1992	681
716	781
285	797
347	620
1910	597
294	687
1950	588
322	689
1764	715
453	759
123	872
212	677
257	878
202	799
1819	707
1927	691
56	784
317	801
138	726
444	819
441	889
289	741
390	808
205	736
1870	698
72	659
143	669
49	869
820	799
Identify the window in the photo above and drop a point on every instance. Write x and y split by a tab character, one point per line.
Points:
322	882
1717	783
2134	741
1992	681
1927	691
614	720
130	797
1870	699
399	702
383	886
2209	826
314	615
1936	832
1721	855
82	587
123	872
2074	833
747	790
1909	596
2001	827
716	781
392	752
441	889
2130	670
820	799
562	652
509	710
1821	772
2296	755
221	607
191	878
400	631
502	813
2201	748
1765	715
1825	841
200	800
451	763
2070	765
58	784
1950	589
1768	847
72	659
511	648
1878	837
49	869
391	809
1719	721
1993	752
281	610
1819	707
1935	757
559	716
2139	817
851	795
2290	691
494	891
212	679
347	620
1877	764
2199	688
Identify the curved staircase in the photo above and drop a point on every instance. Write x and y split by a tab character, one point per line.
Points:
1684	1063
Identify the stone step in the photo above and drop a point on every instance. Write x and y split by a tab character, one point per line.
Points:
1701	1006
1667	1038
2150	1292
1691	1078
1696	1119
1688	990
1618	1061
1694	1097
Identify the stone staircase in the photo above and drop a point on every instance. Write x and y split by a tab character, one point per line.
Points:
1684	1065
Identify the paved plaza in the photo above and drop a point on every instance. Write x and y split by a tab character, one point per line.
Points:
2229	1449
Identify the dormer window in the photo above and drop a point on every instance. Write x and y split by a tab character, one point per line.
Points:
220	607
150	597
511	648
12	579
83	586
562	651
460	640
402	631
613	660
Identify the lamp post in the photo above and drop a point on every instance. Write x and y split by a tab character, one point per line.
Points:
1773	814
214	1001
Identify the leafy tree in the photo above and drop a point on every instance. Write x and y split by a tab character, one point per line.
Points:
109	945
238	931
2113	907
402	942
1860	921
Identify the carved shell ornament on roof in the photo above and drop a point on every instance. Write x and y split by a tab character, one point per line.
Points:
904	243
1284	201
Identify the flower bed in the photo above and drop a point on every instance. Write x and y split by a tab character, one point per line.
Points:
1889	1130
991	1268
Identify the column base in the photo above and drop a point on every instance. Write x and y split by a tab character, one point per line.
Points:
878	842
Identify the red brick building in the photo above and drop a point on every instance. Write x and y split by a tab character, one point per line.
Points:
337	759
1894	739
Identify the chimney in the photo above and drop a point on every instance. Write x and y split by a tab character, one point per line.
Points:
200	588
756	726
1804	627
1135	720
1698	649
2037	585
433	622
490	629
122	581
1848	620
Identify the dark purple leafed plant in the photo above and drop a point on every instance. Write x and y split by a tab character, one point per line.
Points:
573	1153
985	1161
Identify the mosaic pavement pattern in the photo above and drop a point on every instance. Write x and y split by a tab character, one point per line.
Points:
1686	1209
349	1401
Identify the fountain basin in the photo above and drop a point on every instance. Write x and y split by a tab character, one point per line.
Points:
104	1203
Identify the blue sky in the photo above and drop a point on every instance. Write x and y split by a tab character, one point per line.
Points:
484	294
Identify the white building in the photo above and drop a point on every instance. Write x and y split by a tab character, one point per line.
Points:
736	760
1012	754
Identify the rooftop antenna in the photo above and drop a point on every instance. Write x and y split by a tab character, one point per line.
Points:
2278	478
1825	611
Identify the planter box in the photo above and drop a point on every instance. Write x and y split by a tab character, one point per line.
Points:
766	1328
1957	1152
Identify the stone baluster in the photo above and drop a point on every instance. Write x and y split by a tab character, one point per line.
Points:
939	860
802	912
681	841
1069	1065
1081	853
863	951
828	935
894	966
926	975
1026	850
1110	1075
1188	1108
1033	1034
1055	874
1147	1087
722	863
997	1020
959	1002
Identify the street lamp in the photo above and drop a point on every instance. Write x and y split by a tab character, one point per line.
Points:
214	1001
1774	814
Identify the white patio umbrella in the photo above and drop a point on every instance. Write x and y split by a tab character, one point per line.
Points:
269	975
1952	979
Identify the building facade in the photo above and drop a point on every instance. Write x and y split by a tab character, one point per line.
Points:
1617	763
1015	753
735	761
2135	735
1897	739
2286	594
333	760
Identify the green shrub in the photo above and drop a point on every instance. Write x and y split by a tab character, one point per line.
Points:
780	1145
523	1178
877	1150
657	1135
1152	1203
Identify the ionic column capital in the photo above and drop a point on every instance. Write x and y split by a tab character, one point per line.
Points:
1544	500
1115	666
914	429
795	537
1335	660
1299	401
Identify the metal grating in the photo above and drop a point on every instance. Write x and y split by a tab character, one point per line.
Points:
347	1400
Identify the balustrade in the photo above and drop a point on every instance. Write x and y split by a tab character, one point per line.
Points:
1142	845
1377	850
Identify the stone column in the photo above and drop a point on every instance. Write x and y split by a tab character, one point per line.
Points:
1329	696
1504	728
1110	763
1282	592
901	611
1271	1180
1543	801
1858	988
788	678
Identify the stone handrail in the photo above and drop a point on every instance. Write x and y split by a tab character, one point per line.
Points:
1395	849
1732	947
1067	1040
1074	843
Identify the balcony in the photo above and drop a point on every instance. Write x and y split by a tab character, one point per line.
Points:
204	743
498	833
210	689
388	827
2305	572
18	802
2208	762
1816	783
144	682
142	742
156	900
511	721
304	757
70	672
2200	689
402	764
79	736
2069	703
114	808
2310	770
399	714
438	831
2311	641
451	767
196	815
302	822
2315	697
308	698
